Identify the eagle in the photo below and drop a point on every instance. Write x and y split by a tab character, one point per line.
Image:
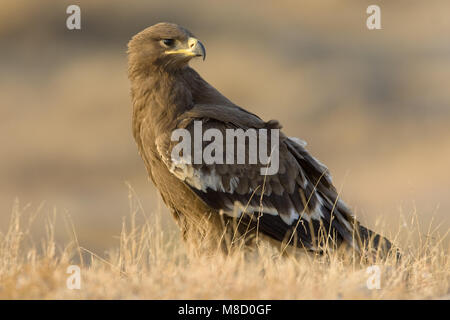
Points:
223	203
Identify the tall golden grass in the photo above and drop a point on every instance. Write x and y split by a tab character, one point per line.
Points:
150	263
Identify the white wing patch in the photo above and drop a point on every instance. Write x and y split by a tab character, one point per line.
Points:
317	214
197	178
298	141
293	216
238	208
201	180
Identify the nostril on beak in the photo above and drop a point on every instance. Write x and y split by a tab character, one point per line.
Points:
192	42
196	47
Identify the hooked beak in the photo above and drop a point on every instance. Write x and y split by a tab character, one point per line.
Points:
194	49
197	48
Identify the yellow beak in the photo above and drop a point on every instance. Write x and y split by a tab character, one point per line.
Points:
194	49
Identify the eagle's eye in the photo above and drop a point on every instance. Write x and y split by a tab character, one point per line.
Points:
168	42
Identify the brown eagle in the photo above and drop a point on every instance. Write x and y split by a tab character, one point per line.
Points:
222	202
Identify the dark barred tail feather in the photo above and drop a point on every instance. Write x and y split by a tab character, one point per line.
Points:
316	236
369	239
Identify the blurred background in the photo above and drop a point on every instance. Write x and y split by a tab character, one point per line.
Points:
374	106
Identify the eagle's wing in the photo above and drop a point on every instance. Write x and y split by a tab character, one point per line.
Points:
298	197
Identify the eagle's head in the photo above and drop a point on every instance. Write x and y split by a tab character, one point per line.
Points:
164	46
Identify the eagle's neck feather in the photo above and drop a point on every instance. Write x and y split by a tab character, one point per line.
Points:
160	97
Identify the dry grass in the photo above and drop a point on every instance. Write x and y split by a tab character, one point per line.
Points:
149	263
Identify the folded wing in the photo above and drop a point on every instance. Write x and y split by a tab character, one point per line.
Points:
293	204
